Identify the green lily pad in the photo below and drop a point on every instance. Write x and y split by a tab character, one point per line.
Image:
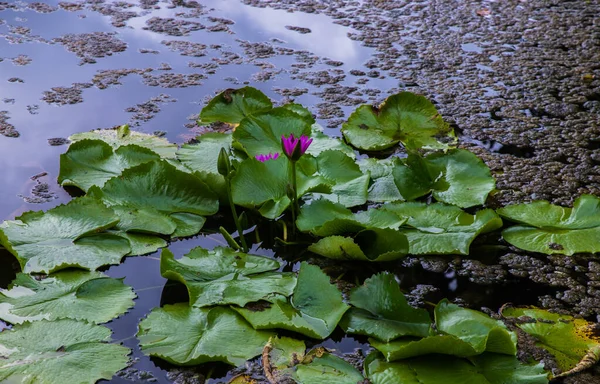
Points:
348	184
184	335
264	185
223	276
261	133
63	237
322	142
49	352
93	162
476	328
382	187
457	177
462	332
489	368
380	310
314	310
122	136
552	229
78	295
155	197
140	243
367	245
202	157
573	342
442	229
407	347
233	105
403	118
325	218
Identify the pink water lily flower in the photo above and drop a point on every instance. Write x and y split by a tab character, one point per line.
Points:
294	147
270	156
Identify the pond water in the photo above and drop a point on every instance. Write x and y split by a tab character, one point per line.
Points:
68	67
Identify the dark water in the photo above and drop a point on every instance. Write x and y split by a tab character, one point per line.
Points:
285	62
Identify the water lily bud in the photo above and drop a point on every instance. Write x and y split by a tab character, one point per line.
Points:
289	191
223	164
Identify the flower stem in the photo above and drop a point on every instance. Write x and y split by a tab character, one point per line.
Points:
295	205
236	218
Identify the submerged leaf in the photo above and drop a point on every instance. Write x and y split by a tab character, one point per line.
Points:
222	276
405	117
65	236
233	105
314	309
186	335
489	368
380	310
573	342
442	229
552	229
156	197
49	352
93	162
122	136
284	361
89	296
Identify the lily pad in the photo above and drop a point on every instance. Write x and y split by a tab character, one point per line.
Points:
264	185
202	158
49	352
63	237
261	133
367	245
457	177
552	229
184	335
573	342
325	218
140	243
380	310
93	162
489	368
403	118
284	361
155	197
314	310
122	136
476	328
78	295
442	229
322	142
462	332
382	187
223	276
348	184
233	105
